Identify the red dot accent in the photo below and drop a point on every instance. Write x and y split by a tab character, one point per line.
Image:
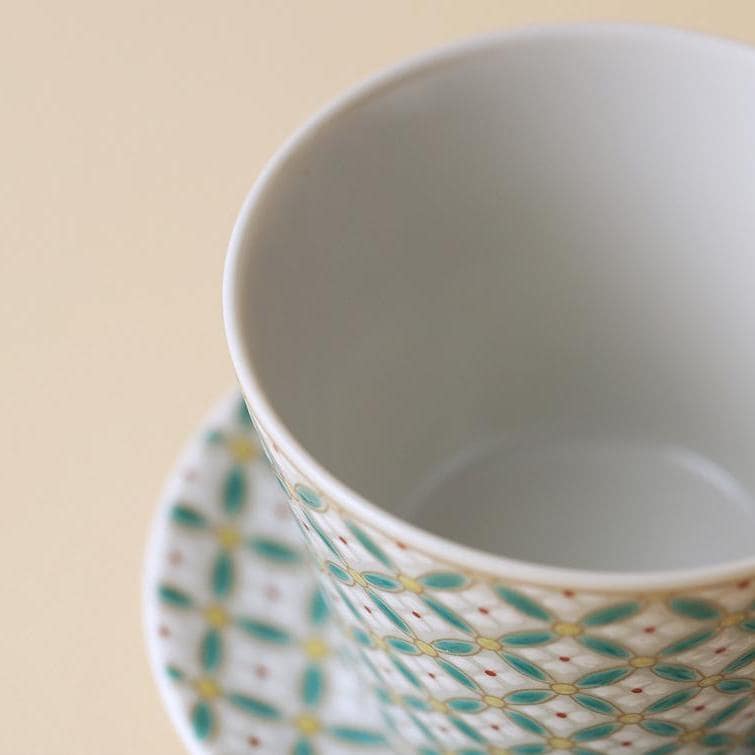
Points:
163	631
484	611
306	527
368	609
561	715
495	727
720	650
343	539
416	614
490	672
431	675
699	707
649	630
569	593
637	690
261	672
625	744
743	584
254	741
272	592
175	557
401	545
564	658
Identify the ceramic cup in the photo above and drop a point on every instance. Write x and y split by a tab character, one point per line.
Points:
493	316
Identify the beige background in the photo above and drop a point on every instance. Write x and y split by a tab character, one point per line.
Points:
129	134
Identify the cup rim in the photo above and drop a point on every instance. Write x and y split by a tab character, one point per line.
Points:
437	546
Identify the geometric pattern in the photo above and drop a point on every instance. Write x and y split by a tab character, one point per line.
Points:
473	663
240	636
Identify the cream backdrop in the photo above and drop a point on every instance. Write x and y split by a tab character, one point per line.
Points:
129	134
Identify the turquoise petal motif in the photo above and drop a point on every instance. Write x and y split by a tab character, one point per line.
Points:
310	498
318	608
202	720
234	491
211	650
612	614
456	647
525	667
662	728
254	706
605	647
273	550
676	672
444	580
369	545
175	597
673	700
529	696
596	704
466	705
522	603
529	638
382	581
734	686
188	517
602	678
740	662
600	731
389	613
222	574
728	712
356	736
458	674
465	728
689	643
264	631
526	722
303	747
446	614
312	685
694	608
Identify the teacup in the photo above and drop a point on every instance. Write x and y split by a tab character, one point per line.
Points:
493	316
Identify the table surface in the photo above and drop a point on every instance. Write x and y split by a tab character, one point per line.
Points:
130	135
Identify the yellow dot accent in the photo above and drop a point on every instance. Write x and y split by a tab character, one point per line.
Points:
228	537
561	688
487	644
207	689
378	641
567	629
560	743
316	648
642	661
410	584
425	648
216	616
493	702
691	736
630	718
709	681
732	619
438	705
242	449
357	577
307	724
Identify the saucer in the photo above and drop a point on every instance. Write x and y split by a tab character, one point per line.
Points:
239	635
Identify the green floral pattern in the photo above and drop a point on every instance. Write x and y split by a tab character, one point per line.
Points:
240	632
473	664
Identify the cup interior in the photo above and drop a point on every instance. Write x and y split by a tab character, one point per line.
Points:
509	294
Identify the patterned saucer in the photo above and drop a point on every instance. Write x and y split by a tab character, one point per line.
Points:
238	632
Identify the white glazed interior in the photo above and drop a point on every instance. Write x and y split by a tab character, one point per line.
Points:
544	234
